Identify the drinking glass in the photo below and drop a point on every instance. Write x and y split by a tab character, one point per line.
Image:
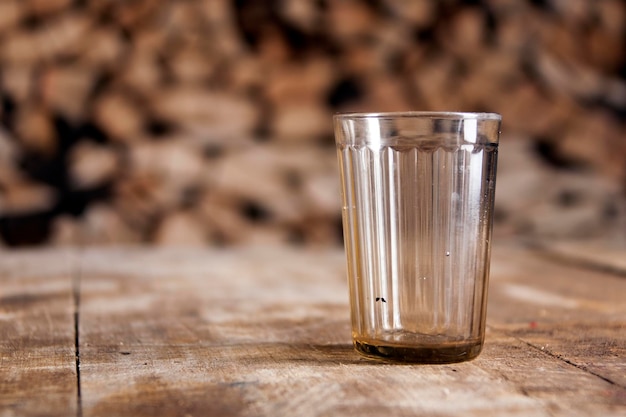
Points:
418	194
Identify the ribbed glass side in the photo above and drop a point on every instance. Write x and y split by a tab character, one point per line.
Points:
417	225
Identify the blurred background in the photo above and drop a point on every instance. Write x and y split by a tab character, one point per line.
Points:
208	122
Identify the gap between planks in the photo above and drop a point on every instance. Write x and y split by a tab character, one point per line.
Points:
76	278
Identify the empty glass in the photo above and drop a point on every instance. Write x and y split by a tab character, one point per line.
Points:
418	193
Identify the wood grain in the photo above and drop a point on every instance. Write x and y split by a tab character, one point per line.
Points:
602	255
37	355
265	331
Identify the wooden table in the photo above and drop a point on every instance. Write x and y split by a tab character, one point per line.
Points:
265	332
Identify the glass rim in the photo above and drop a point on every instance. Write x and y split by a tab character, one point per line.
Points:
449	115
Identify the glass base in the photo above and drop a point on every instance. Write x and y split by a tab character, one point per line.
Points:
431	354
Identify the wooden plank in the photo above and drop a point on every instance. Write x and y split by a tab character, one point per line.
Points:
527	287
176	329
37	355
598	349
572	313
266	332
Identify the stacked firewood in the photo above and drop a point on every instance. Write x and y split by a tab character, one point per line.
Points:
209	121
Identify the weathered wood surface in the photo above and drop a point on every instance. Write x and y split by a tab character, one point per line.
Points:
606	256
265	332
37	354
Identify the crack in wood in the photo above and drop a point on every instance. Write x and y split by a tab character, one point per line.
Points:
565	360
